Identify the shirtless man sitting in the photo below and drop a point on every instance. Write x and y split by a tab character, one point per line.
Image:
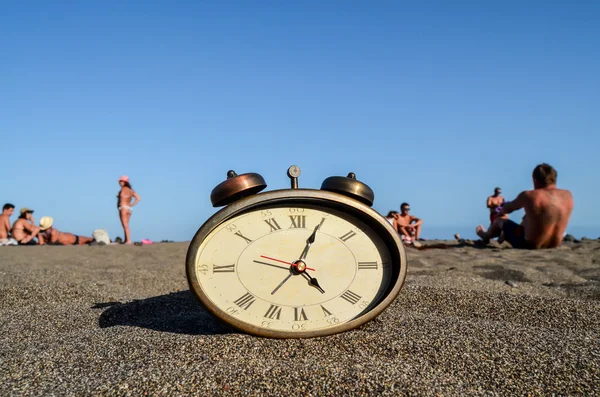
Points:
24	229
7	212
405	225
494	203
50	235
547	213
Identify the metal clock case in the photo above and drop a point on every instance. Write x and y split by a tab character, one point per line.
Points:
295	263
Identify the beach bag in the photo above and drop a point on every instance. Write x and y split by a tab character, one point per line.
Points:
101	236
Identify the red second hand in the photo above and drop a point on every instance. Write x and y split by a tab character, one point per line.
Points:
287	263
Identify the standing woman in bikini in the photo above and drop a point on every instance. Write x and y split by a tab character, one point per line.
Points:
125	205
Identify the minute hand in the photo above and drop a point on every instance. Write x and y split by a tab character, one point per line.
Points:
309	242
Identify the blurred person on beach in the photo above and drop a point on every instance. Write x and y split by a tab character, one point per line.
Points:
494	203
410	231
547	213
7	210
24	229
125	205
392	218
50	235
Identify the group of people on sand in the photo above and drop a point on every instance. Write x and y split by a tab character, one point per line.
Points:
547	213
24	231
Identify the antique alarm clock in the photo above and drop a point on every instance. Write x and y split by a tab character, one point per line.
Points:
295	263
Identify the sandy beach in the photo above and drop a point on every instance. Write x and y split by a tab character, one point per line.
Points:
120	320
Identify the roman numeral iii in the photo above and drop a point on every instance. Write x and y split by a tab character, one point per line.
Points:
367	265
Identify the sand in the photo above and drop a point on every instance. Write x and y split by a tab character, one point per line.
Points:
120	320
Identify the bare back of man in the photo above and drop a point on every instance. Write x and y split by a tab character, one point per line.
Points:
547	213
4	226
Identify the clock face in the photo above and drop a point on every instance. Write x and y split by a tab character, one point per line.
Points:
291	269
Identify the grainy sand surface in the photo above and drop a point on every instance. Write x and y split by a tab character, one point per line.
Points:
120	320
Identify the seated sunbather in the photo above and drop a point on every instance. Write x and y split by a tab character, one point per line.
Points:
7	212
50	235
392	218
547	213
406	227
24	229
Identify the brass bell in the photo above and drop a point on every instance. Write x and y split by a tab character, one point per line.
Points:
349	186
236	187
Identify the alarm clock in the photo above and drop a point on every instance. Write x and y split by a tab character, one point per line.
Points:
297	262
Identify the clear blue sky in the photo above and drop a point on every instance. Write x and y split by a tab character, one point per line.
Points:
433	103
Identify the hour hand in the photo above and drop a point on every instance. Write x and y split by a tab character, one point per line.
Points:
313	281
309	242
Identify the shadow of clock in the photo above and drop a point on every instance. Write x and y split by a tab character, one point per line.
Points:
177	312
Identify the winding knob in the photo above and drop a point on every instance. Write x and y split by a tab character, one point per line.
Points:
351	187
236	187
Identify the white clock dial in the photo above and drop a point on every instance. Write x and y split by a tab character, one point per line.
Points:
255	268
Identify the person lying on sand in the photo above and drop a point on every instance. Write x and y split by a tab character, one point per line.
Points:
547	213
24	229
50	235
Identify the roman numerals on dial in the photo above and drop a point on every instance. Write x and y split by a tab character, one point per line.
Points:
239	234
245	301
298	221
325	311
347	236
351	297
273	224
367	265
299	314
224	269
274	312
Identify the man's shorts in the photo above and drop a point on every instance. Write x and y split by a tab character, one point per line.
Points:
515	235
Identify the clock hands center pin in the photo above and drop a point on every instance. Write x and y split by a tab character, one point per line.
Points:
280	261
